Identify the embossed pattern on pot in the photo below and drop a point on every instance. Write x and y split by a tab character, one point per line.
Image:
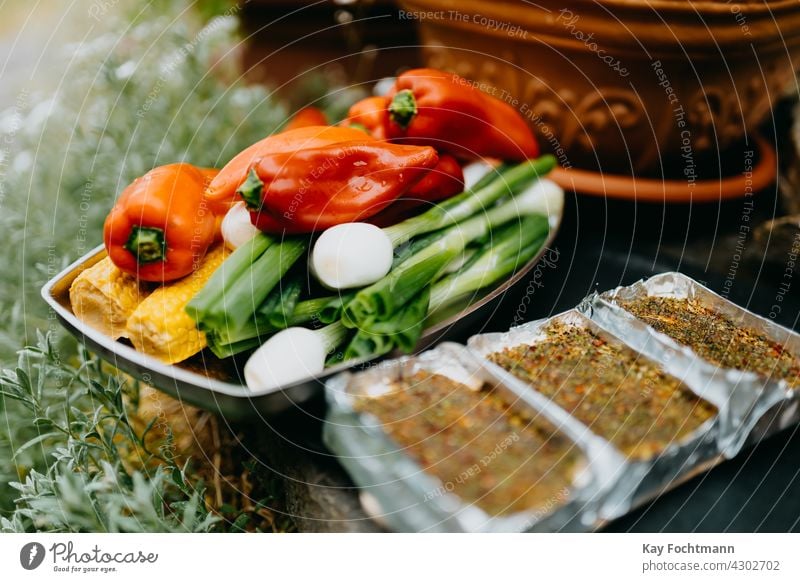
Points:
558	70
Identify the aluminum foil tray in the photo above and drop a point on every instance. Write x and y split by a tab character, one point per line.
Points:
749	408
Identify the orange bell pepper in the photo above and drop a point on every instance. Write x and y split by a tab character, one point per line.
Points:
371	115
315	188
443	110
307	117
221	192
160	228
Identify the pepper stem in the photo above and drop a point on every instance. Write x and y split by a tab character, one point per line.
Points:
147	244
359	126
250	190
403	108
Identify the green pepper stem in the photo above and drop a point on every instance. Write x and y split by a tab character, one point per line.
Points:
403	108
250	190
147	244
359	126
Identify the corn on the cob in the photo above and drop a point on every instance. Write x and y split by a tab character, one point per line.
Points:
160	325
104	298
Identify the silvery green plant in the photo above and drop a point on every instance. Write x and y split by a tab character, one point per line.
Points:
85	485
166	89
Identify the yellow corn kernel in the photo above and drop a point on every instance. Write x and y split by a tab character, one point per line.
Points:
160	325
104	297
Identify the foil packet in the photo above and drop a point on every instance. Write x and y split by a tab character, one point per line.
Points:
752	406
635	480
748	407
405	497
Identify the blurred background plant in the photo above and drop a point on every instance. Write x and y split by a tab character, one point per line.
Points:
82	447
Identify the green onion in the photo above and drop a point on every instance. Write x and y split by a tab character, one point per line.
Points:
412	247
387	295
278	308
241	297
509	248
489	176
223	278
331	311
337	258
378	337
222	350
226	342
291	355
480	197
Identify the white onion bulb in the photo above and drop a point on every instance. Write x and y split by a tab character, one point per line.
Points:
289	356
236	226
543	197
351	255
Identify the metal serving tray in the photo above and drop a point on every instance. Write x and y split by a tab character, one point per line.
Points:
218	385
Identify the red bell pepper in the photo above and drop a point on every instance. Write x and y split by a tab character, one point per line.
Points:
371	115
315	188
446	179
443	110
307	117
221	193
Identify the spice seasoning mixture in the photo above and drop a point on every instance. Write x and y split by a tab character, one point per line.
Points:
619	394
716	338
502	460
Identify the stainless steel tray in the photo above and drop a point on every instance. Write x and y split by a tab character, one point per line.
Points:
218	385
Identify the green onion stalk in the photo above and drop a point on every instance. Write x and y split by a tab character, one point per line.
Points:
514	246
279	306
230	271
502	254
354	255
233	294
499	183
380	336
323	310
383	298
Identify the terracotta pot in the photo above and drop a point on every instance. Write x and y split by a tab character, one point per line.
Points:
288	39
626	86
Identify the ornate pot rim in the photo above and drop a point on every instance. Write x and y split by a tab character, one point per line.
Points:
672	25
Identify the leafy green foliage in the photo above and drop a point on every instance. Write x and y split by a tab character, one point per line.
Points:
103	476
147	89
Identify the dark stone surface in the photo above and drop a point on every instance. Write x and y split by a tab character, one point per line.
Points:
317	493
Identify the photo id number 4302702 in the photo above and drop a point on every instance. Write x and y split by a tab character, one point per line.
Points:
657	566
